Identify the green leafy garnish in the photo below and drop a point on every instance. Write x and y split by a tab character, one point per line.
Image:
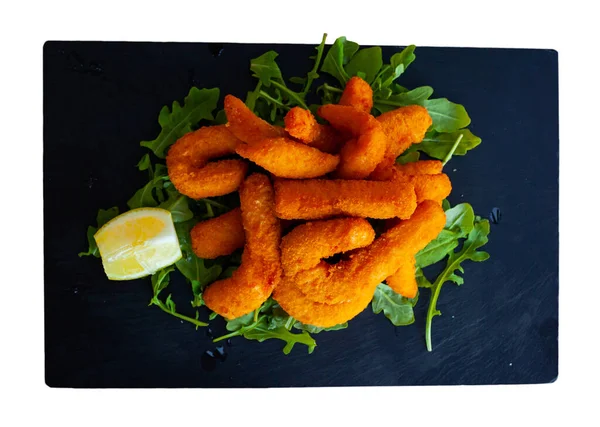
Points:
266	69
160	281
258	329
459	223
437	145
417	96
199	104
398	309
192	267
365	63
338	55
447	116
177	204
151	194
477	238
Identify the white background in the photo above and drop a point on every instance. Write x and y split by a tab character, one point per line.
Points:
569	29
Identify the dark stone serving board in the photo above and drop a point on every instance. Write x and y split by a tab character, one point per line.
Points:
102	98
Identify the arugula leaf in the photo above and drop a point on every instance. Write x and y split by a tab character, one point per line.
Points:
312	74
447	116
265	68
477	238
102	217
399	62
315	329
366	61
177	204
338	55
437	145
398	309
261	332
240	322
422	281
459	223
144	162
206	275
146	197
408	158
220	118
160	281
416	96
198	104
277	317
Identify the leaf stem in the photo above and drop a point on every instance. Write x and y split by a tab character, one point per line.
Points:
289	323
273	100
164	308
240	331
331	88
215	204
452	150
431	313
231	335
293	95
311	74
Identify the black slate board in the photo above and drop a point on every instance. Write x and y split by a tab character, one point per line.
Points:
501	326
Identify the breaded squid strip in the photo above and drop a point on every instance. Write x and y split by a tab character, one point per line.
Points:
424	175
189	168
307	244
358	94
347	287
302	125
320	198
253	282
403	127
332	284
246	125
286	158
218	236
360	155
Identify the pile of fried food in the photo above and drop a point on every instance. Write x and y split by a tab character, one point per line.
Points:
324	182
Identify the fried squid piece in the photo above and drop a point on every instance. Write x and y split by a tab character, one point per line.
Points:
403	127
260	271
307	244
360	155
424	175
190	169
320	198
302	125
286	158
246	125
218	236
327	295
358	94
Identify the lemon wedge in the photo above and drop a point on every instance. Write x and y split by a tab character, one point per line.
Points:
138	243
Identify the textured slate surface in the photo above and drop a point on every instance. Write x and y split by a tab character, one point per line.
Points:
101	99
